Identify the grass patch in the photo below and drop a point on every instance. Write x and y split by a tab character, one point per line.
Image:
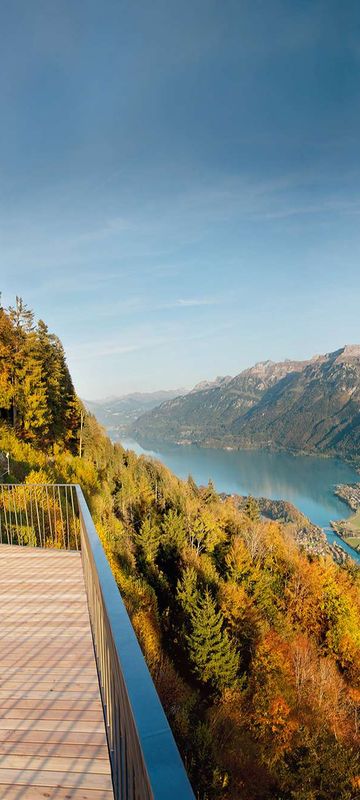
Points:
355	521
353	541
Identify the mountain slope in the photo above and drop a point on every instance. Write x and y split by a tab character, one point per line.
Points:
316	409
253	645
310	406
208	414
117	413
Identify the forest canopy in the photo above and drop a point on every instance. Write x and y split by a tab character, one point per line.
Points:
37	396
254	645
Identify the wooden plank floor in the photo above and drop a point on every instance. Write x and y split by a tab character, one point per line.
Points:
52	733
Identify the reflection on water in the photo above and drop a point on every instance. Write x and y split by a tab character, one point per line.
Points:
306	481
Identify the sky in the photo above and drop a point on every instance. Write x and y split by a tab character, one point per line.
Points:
179	182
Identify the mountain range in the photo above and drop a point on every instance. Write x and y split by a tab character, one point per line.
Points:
308	406
117	413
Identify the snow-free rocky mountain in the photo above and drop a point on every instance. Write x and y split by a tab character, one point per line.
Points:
117	413
303	406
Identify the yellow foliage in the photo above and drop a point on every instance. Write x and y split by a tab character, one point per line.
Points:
148	632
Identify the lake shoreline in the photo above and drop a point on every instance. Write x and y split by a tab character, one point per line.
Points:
310	537
349	529
216	444
305	481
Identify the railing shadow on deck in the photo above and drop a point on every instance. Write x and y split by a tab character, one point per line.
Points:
145	761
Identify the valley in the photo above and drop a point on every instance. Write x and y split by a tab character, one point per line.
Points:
298	484
296	406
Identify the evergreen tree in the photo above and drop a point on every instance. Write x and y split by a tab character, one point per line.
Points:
194	489
70	410
187	593
53	376
22	321
251	508
33	401
213	655
36	391
209	493
173	527
148	540
6	356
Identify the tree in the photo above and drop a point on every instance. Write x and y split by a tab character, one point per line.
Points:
148	540
22	321
49	355
35	416
213	655
209	494
7	344
187	592
173	527
251	508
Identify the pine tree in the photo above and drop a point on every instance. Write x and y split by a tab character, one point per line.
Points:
6	356
173	527
33	405
148	540
70	409
194	489
187	593
52	375
22	321
213	655
251	508
209	494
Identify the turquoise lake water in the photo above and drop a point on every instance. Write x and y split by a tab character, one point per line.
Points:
306	481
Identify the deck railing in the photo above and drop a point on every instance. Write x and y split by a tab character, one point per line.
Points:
40	515
145	761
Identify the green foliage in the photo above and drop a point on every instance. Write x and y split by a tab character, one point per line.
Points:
187	591
211	652
211	588
174	529
148	540
251	508
37	396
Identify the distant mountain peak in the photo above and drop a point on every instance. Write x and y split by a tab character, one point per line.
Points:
219	381
350	351
306	406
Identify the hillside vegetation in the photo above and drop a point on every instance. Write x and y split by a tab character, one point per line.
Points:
253	645
310	406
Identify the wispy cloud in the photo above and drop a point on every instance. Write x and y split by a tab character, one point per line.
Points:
96	349
188	302
195	301
108	347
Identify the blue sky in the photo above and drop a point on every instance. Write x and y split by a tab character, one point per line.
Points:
180	191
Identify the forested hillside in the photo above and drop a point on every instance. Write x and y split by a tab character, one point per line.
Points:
253	645
37	396
206	414
310	406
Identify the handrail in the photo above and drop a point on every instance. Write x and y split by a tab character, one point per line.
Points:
40	515
145	761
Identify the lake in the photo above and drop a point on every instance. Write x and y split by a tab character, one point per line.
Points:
306	481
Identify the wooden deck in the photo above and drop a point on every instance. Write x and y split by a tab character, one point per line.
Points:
52	733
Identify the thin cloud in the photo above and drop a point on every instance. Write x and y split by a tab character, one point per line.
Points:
195	301
188	302
96	349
